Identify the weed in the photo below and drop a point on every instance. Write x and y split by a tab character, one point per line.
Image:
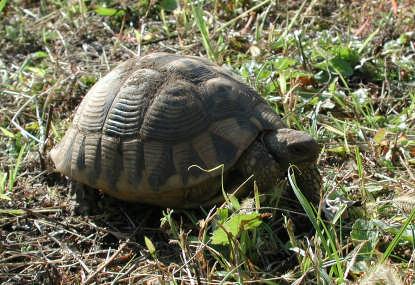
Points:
344	72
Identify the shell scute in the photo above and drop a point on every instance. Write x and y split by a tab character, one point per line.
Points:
176	113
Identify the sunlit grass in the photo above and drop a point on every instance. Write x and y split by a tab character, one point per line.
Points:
345	78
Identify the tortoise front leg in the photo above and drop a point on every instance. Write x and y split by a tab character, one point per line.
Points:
267	172
309	182
256	161
84	199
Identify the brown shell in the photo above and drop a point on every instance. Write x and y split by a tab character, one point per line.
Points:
140	128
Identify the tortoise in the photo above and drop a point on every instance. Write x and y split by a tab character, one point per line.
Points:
141	128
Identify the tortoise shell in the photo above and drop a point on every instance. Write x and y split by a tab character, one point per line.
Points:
140	128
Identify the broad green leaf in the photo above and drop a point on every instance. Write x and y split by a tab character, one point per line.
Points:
379	136
339	150
88	80
223	214
264	74
38	71
341	66
234	201
150	246
104	11
32	127
365	231
3	4
347	54
7	133
284	63
168	5
339	60
40	54
234	226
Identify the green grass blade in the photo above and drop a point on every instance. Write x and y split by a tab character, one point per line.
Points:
3	182
368	41
328	244
306	206
13	173
12	212
204	31
244	14
294	20
397	238
3	4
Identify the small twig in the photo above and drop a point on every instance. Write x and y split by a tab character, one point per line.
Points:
140	39
17	114
183	237
30	13
64	44
104	264
128	50
62	245
247	28
35	211
50	222
127	272
45	19
104	55
408	169
354	254
40	124
44	135
13	276
243	15
161	39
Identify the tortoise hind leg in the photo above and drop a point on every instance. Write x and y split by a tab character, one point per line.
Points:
84	199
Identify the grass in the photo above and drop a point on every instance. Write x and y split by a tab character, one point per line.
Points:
343	72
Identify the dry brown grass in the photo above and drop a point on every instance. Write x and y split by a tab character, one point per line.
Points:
53	51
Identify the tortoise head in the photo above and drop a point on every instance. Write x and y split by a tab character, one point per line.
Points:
291	147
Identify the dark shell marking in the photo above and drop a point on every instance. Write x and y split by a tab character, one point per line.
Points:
141	127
